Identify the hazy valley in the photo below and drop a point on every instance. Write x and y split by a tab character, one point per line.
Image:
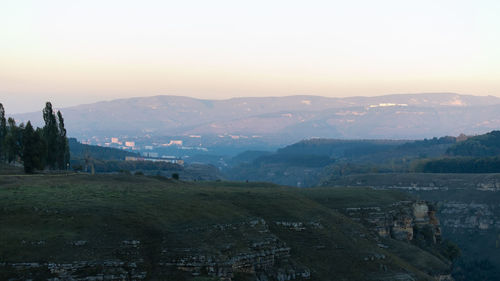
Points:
293	188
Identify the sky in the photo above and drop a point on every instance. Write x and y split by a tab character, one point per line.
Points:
73	52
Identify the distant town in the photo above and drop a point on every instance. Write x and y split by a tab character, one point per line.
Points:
178	149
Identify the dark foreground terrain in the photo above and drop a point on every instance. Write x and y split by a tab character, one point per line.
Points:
125	227
468	206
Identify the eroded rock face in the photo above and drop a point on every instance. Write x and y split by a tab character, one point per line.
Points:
492	185
264	256
259	253
472	216
420	212
399	220
112	270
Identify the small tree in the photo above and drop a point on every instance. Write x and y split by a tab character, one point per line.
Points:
175	176
450	250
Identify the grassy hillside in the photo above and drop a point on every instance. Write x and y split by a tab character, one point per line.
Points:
143	225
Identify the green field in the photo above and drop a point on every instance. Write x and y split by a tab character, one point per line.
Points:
79	217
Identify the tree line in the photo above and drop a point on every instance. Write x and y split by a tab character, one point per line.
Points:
486	145
459	165
36	148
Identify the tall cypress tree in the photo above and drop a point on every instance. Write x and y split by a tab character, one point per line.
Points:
29	149
32	149
42	147
3	133
13	140
63	147
50	131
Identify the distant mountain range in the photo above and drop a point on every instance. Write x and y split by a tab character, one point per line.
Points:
284	120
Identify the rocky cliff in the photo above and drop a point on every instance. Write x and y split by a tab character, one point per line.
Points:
401	220
467	206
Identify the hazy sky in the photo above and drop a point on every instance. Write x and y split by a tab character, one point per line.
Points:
74	52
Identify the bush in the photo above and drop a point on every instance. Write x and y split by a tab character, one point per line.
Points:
450	250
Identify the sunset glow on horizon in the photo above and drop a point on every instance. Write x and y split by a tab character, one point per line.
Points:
74	52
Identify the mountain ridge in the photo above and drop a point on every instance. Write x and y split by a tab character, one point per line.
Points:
285	118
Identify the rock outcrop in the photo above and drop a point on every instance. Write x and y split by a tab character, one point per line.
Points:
399	220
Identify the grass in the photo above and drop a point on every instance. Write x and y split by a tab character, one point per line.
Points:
42	216
458	181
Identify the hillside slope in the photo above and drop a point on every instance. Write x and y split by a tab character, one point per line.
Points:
118	227
311	161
